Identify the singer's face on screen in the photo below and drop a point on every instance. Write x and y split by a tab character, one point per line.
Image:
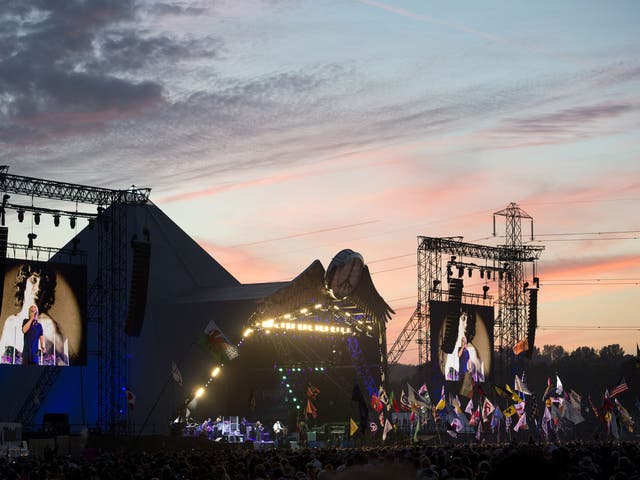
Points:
32	286
33	311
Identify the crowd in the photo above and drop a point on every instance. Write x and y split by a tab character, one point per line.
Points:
518	461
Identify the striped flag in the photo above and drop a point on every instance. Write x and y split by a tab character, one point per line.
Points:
175	373
622	387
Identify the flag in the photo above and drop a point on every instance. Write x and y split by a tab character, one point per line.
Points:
382	395
500	392
376	404
456	423
522	423
466	389
312	393
495	420
423	390
353	427
520	386
393	402
415	433
509	411
441	404
387	428
216	344
514	396
381	419
487	409
423	393
469	408
475	418
593	407
558	386
479	431
521	346
356	396
415	400
547	390
373	427
625	416
404	401
519	408
131	398
622	387
175	373
546	418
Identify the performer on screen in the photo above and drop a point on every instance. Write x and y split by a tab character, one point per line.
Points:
33	338
35	285
463	356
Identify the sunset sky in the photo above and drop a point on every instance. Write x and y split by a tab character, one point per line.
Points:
275	132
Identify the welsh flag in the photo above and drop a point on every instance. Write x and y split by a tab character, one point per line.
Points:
215	343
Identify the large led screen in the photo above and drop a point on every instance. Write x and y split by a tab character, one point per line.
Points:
43	316
474	343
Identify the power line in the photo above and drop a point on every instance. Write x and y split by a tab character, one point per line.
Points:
584	239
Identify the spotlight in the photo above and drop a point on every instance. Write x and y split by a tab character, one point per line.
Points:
481	273
215	372
36	218
489	274
247	332
536	282
436	283
485	289
5	198
199	392
470	272
21	216
3	214
72	222
449	271
317	306
525	286
31	237
460	271
501	275
56	219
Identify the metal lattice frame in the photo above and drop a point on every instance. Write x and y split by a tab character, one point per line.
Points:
509	259
107	302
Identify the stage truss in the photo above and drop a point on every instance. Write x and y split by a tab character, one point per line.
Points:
107	300
439	258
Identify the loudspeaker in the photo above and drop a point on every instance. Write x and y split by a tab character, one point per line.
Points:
139	287
55	423
532	323
452	320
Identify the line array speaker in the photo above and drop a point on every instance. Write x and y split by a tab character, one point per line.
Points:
532	323
452	319
139	288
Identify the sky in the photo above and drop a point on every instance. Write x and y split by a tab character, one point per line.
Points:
275	132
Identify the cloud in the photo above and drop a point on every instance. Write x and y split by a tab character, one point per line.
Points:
62	61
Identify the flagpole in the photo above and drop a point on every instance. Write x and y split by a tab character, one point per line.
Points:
435	425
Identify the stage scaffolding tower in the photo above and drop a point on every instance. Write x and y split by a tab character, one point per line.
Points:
107	300
506	262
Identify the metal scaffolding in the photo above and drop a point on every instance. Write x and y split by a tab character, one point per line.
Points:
107	294
506	261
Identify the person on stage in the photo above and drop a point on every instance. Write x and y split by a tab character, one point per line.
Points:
278	430
463	355
33	338
259	431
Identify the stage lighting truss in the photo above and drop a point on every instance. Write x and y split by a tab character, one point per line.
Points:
487	271
316	319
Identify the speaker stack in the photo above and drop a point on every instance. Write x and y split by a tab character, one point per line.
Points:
452	319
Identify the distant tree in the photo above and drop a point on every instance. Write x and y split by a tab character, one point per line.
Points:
611	352
553	352
584	354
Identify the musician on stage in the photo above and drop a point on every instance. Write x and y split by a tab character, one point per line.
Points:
279	430
259	431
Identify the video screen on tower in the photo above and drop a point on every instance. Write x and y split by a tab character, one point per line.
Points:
473	347
43	315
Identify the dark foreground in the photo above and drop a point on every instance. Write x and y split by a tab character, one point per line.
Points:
516	461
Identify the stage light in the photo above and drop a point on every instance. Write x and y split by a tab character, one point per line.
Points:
317	306
56	220
470	272
369	327
31	237
3	215
449	271
485	289
525	286
36	218
460	271
287	316
295	399
72	222
489	274
21	216
267	323
347	314
247	332
335	307
501	275
536	282
304	310
481	273
435	284
199	392
215	372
